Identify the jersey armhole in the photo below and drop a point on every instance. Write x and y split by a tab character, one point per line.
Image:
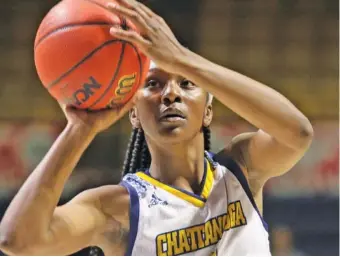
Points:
231	165
134	216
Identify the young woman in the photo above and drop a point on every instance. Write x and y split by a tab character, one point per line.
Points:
176	197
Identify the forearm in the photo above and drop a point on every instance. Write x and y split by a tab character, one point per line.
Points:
258	104
30	212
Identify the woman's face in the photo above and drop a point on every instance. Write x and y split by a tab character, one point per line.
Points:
169	108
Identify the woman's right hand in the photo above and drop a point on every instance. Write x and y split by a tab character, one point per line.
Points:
95	121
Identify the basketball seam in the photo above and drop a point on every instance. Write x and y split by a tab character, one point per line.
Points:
98	23
119	65
123	22
71	26
78	24
139	61
124	43
88	56
121	56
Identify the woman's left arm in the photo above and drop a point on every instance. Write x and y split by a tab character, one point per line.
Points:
284	132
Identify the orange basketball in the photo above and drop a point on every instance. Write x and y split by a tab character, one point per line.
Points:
80	63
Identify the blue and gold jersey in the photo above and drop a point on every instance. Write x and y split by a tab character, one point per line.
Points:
222	220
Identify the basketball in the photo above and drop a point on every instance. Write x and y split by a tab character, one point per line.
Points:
80	63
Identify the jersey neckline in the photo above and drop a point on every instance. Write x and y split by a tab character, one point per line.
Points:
197	200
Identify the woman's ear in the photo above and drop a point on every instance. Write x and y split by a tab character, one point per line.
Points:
208	115
133	115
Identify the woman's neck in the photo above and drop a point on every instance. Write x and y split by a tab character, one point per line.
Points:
180	165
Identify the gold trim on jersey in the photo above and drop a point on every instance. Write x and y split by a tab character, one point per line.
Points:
195	201
208	183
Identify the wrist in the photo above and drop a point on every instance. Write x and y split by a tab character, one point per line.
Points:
81	130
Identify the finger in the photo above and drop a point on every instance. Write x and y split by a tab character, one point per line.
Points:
64	107
138	7
130	36
68	109
152	19
128	105
132	15
126	3
147	10
118	111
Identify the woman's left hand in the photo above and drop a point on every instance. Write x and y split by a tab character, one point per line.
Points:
155	39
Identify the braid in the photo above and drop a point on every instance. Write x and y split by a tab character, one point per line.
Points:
146	157
136	153
207	136
128	154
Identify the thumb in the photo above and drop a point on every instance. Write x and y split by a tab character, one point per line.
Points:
66	108
127	107
120	110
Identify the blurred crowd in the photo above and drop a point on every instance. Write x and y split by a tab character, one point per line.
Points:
291	45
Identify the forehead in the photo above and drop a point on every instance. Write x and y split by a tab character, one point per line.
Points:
155	71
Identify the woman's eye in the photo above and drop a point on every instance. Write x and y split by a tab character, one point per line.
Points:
152	83
186	83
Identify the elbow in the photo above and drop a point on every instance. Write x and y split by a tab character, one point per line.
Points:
300	136
11	246
305	135
307	131
8	245
8	242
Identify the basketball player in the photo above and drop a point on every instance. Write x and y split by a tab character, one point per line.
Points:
176	197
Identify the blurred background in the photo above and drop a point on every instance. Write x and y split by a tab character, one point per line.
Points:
290	45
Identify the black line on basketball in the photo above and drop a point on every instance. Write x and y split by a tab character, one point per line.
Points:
88	56
140	66
139	60
114	75
90	23
118	69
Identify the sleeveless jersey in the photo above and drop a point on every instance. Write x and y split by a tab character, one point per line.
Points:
222	220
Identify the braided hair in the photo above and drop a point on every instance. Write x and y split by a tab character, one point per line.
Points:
138	155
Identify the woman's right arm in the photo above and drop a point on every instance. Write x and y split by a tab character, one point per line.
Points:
32	225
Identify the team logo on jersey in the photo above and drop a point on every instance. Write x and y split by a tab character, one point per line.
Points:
155	200
200	236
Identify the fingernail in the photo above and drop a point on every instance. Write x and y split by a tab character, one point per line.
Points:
113	30
112	5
